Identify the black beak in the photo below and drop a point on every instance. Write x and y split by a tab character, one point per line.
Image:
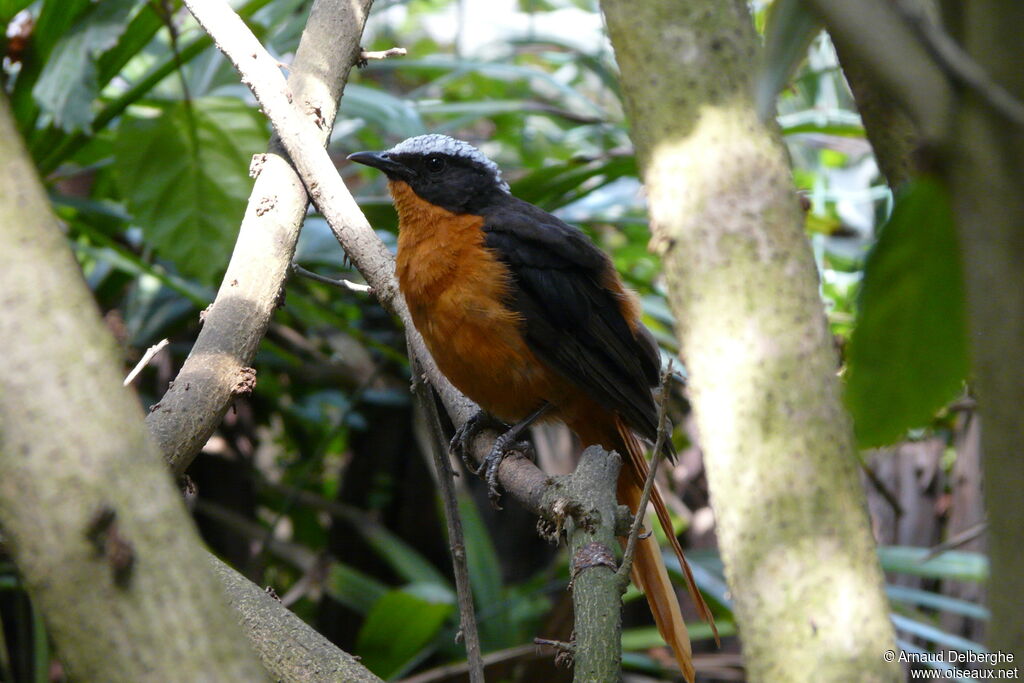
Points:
380	160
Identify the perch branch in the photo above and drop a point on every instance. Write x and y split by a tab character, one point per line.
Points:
328	192
520	477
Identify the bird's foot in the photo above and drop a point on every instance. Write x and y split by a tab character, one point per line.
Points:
461	444
507	443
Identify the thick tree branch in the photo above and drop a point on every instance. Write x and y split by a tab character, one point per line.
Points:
93	521
290	650
596	585
984	175
194	405
873	33
780	456
959	65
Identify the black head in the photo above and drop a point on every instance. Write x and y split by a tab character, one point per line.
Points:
444	171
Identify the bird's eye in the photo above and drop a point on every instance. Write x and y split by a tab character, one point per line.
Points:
435	164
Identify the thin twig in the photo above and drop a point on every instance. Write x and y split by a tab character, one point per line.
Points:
959	65
456	541
641	508
880	486
556	644
365	55
340	284
144	361
964	537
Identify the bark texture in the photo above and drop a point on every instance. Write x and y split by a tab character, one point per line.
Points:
92	518
792	524
985	176
287	647
215	370
891	131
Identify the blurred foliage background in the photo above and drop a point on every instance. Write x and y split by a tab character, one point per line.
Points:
316	485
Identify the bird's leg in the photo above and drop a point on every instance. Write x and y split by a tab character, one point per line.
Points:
509	441
464	435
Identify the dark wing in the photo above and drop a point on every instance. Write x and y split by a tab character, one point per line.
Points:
573	322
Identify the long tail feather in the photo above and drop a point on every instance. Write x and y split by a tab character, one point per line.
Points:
650	576
637	468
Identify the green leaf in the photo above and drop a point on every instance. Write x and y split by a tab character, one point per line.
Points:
935	635
8	8
185	176
789	29
908	353
485	577
923	598
646	637
353	588
69	84
955	565
399	626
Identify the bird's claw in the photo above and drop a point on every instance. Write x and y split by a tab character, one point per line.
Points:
503	445
464	436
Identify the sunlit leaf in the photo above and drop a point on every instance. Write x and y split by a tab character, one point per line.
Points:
185	176
908	354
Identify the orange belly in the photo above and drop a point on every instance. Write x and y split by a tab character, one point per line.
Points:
455	287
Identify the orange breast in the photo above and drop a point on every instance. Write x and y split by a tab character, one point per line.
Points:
455	288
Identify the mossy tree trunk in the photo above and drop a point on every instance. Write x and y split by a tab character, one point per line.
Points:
779	451
89	511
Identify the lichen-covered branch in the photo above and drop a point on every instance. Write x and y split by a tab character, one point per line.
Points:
93	520
289	649
792	525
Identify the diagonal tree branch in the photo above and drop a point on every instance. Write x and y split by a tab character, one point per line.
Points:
299	138
194	405
873	33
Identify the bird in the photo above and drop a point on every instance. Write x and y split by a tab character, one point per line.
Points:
530	320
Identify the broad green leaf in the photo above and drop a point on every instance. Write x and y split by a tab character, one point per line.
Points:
484	576
397	628
908	353
8	8
955	565
69	84
185	176
353	588
790	27
55	19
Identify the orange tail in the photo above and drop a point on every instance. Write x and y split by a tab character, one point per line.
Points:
649	573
